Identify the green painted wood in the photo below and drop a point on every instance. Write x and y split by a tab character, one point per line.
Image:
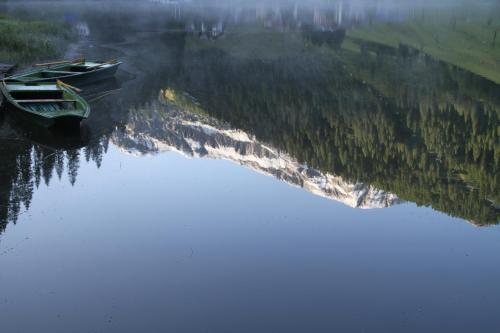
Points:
73	72
43	100
25	87
69	105
59	72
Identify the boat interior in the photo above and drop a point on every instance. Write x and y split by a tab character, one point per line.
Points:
48	98
72	69
49	74
83	67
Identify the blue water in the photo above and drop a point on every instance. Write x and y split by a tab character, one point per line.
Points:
164	243
226	184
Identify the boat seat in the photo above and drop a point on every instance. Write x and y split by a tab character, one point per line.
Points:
44	100
34	87
58	72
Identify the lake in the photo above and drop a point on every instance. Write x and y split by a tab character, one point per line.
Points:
290	166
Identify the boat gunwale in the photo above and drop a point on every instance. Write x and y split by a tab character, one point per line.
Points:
19	77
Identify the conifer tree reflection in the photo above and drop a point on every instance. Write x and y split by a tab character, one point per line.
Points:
398	120
28	158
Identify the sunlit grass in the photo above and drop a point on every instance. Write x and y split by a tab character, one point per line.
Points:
467	41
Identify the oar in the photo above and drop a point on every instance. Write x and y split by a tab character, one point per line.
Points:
75	61
60	83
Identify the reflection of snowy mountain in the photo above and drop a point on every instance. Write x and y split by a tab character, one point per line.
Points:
159	128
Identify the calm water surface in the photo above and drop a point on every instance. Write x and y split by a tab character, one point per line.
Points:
254	168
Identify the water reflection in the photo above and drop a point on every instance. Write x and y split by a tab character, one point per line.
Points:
174	125
30	155
277	90
293	15
395	119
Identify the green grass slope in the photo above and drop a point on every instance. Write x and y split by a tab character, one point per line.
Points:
466	41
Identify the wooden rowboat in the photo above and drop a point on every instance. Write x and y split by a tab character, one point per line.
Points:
46	103
73	71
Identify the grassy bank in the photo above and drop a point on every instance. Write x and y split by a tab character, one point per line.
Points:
26	41
471	42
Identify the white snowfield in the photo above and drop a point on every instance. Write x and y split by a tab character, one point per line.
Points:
199	136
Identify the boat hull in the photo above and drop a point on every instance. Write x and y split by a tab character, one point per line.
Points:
66	121
90	77
76	78
61	138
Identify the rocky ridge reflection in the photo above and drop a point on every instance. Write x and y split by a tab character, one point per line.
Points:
162	127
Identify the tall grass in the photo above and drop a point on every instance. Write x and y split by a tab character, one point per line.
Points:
26	41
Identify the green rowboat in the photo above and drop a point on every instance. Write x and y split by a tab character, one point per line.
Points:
75	71
45	103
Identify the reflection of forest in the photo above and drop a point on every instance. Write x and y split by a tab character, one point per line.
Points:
176	123
399	121
390	118
25	163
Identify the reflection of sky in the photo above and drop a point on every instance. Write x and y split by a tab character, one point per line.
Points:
179	245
